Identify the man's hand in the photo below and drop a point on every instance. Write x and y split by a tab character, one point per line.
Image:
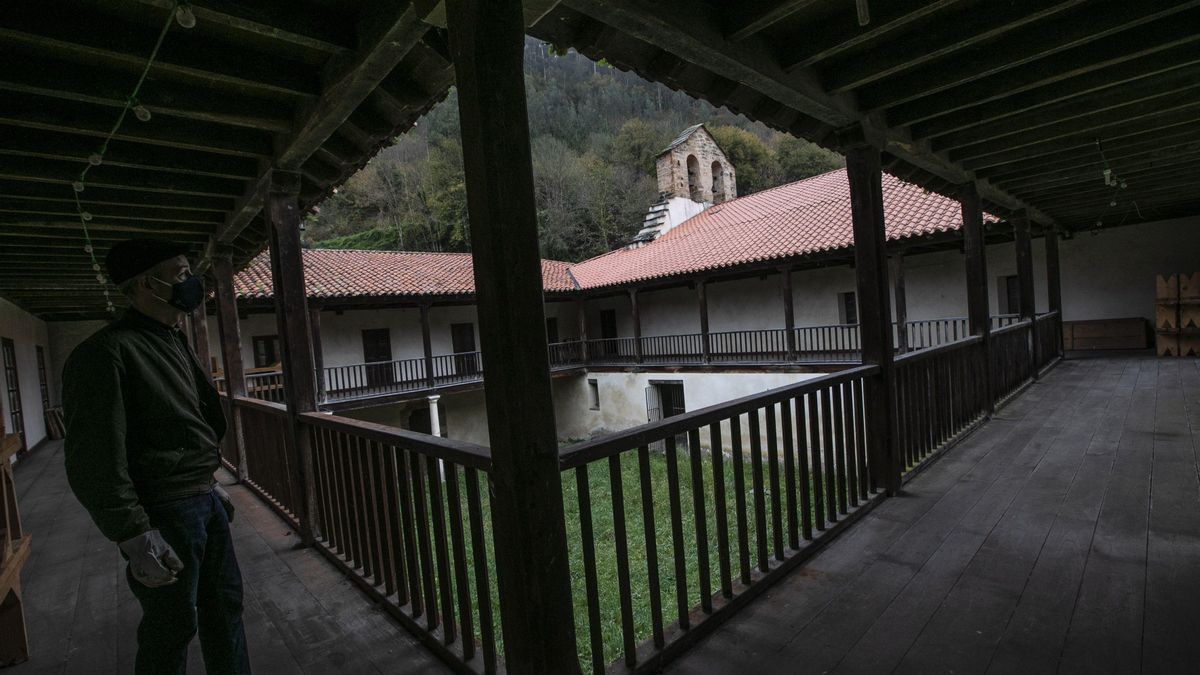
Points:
152	561
226	501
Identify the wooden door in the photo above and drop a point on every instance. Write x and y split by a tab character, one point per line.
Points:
462	340
12	384
608	331
377	354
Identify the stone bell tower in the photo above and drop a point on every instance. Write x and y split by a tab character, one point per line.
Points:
693	174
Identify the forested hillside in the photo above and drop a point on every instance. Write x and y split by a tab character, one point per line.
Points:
595	133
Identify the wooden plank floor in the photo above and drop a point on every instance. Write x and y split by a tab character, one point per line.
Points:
1063	536
301	614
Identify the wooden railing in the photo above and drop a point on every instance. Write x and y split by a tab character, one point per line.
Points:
1004	320
762	477
838	342
673	349
612	351
940	393
749	346
1011	359
366	379
1047	339
926	333
270	461
403	514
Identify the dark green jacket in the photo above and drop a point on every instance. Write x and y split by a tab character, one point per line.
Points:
143	423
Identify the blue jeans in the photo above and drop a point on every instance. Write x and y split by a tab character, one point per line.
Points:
207	598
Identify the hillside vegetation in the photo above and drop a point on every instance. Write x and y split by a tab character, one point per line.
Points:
595	132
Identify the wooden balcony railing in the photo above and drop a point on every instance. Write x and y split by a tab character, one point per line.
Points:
735	497
675	524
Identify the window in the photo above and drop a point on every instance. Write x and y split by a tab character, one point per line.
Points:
1009	288
41	368
847	307
593	395
551	329
266	350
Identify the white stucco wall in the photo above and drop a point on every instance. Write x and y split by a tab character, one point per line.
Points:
27	333
64	337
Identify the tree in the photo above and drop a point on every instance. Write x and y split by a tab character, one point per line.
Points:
799	159
751	158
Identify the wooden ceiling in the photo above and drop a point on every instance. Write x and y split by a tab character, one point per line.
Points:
1010	96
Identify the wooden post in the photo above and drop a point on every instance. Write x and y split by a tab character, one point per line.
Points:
200	339
1054	283
874	312
702	298
295	339
1027	305
427	345
979	321
637	326
231	352
314	324
581	317
487	40
789	313
901	304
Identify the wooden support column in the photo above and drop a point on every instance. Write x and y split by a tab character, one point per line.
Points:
199	321
1027	304
789	313
314	324
979	321
427	345
581	317
487	40
901	303
702	299
637	325
295	339
1054	283
874	312
231	351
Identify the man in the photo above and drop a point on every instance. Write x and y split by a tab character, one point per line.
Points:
143	424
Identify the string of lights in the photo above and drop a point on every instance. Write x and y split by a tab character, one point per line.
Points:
181	13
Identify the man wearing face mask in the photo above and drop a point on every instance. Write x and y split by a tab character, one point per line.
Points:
143	424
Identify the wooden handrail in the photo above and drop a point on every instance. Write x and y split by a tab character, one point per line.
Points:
622	441
1012	328
459	452
932	352
268	407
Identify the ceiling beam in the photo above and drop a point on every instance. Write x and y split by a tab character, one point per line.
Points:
1094	172
64	147
306	24
44	213
40	112
1146	68
949	34
1043	125
1137	44
386	36
1085	156
745	21
842	32
1038	41
100	196
185	56
38	170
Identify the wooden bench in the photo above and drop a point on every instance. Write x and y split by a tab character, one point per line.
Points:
14	550
1106	334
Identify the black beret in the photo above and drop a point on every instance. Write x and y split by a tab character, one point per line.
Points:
130	258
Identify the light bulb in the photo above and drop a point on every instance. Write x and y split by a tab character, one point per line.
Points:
77	186
88	248
1113	203
96	266
184	16
85	215
141	112
100	278
95	159
1123	185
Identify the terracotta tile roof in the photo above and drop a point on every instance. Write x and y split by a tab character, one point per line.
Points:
331	273
804	217
807	216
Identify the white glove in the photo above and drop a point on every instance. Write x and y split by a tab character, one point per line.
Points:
226	501
151	559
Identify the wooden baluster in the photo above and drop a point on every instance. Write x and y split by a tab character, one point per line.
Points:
462	581
621	541
482	586
739	487
789	474
681	593
720	509
441	552
588	543
804	476
760	503
651	538
773	475
847	448
818	475
700	517
424	546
